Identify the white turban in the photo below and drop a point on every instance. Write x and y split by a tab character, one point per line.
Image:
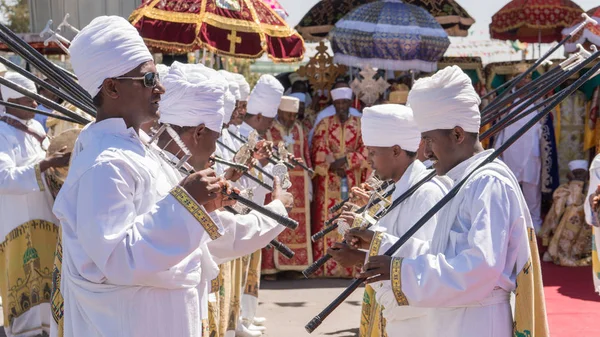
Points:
387	125
244	86
194	95
162	70
228	106
265	97
108	47
299	95
234	87
578	165
17	79
444	101
289	104
341	93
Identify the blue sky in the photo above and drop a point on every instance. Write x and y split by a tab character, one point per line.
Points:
481	10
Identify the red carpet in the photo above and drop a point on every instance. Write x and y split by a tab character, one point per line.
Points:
572	304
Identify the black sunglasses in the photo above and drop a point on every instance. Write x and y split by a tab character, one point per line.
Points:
149	79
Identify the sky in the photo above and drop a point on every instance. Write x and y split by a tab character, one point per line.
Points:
477	42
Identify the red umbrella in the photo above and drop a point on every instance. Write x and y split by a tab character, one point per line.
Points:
534	21
241	28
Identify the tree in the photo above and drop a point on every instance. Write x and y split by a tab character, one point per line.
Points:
17	14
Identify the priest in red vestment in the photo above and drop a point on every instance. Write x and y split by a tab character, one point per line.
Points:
289	130
340	161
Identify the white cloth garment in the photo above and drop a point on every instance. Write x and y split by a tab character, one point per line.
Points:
232	96
387	125
109	46
589	218
234	86
528	172
445	100
341	93
407	320
23	198
265	97
328	112
479	245
195	94
244	86
18	79
124	247
163	70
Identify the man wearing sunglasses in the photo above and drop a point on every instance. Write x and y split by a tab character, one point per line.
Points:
128	266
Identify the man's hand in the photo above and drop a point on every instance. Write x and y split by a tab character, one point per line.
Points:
358	238
346	256
286	198
233	174
378	268
263	150
222	199
203	186
58	159
338	164
359	196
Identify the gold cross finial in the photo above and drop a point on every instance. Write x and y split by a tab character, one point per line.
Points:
233	40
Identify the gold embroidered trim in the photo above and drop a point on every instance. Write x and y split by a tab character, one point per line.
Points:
376	244
397	281
197	212
38	177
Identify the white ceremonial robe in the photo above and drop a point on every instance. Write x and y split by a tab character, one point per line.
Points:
407	320
131	264
527	172
23	198
471	269
328	112
594	182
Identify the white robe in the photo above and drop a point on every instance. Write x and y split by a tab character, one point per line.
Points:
131	264
478	248
23	197
594	182
328	112
407	320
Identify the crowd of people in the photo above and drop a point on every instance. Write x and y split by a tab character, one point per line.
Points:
145	237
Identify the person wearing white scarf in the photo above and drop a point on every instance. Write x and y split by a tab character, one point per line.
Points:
125	246
341	93
392	139
472	265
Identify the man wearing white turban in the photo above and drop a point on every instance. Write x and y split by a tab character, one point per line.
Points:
340	161
27	220
194	106
125	246
483	244
590	207
242	103
392	139
289	132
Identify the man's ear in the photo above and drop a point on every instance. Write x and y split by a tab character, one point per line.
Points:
458	134
199	132
396	150
109	88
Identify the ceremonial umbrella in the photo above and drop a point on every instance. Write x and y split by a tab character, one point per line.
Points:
534	21
37	42
589	34
321	18
237	28
276	7
390	35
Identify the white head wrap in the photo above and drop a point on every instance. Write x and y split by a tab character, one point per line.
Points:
108	47
444	101
234	87
228	106
244	86
341	93
289	104
17	79
163	70
578	165
194	95
299	95
387	125
265	97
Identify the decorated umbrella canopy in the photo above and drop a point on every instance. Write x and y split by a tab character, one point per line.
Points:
320	19
37	43
534	21
589	34
238	28
389	35
276	7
